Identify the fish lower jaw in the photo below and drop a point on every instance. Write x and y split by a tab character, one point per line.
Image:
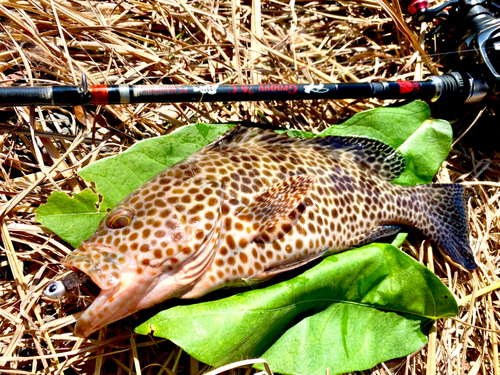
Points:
101	313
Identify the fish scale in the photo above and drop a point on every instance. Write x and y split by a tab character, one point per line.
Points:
250	205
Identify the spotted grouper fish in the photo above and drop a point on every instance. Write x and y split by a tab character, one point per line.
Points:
253	204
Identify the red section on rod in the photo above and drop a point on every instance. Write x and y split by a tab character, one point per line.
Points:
99	94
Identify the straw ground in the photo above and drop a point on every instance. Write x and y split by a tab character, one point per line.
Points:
206	41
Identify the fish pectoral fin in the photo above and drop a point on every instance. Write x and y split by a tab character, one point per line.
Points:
277	232
284	267
380	232
274	206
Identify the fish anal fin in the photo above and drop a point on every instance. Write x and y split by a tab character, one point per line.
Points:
275	205
284	267
380	232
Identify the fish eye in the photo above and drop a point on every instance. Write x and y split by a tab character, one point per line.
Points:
120	219
55	290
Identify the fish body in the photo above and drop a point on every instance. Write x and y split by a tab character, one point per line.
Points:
253	204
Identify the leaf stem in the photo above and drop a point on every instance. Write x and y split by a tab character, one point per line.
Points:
479	293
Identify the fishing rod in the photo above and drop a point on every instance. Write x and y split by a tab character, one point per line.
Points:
475	77
456	85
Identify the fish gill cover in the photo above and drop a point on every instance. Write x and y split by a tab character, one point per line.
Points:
367	306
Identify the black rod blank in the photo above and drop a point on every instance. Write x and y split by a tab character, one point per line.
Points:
130	94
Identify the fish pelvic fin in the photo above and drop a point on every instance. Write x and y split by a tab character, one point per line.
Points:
447	221
372	154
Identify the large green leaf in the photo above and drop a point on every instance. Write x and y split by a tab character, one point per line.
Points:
376	276
424	143
343	338
117	176
72	219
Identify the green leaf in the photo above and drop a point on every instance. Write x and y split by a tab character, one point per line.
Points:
424	143
343	338
392	125
72	219
119	175
400	238
424	151
377	276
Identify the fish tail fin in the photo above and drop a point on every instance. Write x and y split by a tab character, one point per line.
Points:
446	222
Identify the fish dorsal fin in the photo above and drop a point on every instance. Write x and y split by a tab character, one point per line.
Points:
371	153
274	205
242	136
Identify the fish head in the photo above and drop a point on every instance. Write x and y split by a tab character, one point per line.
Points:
149	248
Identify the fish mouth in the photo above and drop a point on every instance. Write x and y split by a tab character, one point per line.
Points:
123	290
115	276
115	302
134	293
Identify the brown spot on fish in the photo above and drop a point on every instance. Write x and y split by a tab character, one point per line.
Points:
230	242
165	213
159	202
199	234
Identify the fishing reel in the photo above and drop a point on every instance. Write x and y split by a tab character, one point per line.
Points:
470	34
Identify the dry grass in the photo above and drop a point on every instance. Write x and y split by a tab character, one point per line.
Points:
204	41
